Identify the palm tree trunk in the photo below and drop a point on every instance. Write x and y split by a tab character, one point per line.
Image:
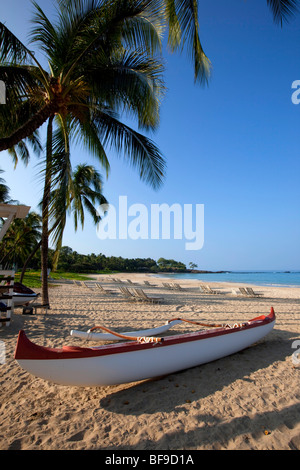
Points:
45	214
28	260
27	129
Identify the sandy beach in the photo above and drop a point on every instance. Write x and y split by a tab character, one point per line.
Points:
247	401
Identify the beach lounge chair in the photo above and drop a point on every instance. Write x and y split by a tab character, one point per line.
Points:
168	286
212	291
104	291
132	283
147	283
241	292
244	292
177	286
88	285
203	289
141	294
126	293
252	293
117	281
236	292
208	290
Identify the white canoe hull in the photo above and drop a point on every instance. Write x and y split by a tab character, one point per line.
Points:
130	362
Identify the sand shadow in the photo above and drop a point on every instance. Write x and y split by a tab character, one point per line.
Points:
215	434
192	384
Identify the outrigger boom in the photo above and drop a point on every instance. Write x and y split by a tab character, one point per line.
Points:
90	335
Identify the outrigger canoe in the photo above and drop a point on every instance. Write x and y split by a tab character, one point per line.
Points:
140	359
22	295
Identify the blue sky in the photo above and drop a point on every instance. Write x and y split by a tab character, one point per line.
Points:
232	146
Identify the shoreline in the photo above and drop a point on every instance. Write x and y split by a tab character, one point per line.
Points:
167	275
247	401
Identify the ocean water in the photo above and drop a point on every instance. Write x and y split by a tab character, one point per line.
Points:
267	278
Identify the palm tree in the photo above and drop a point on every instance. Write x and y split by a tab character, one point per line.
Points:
4	190
94	72
20	239
47	94
183	26
85	190
82	193
92	38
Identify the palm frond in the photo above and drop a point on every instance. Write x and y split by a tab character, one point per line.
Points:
109	24
84	132
184	28
44	31
145	27
21	82
11	48
141	152
131	82
283	10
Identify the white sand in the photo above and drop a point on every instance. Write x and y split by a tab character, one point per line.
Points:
246	401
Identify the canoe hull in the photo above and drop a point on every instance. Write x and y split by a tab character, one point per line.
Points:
22	299
130	362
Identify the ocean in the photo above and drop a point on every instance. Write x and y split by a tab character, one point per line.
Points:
262	278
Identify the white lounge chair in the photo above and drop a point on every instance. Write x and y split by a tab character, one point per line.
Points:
167	285
177	286
132	283
104	291
251	292
126	292
141	294
147	283
208	290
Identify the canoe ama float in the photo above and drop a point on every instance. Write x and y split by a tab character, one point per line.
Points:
99	337
132	361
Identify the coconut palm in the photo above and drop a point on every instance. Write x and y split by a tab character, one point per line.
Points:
94	72
82	193
85	190
4	191
91	38
20	239
101	62
22	72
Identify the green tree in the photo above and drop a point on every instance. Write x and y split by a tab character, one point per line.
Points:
20	239
142	18
85	190
193	265
101	61
4	191
83	193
